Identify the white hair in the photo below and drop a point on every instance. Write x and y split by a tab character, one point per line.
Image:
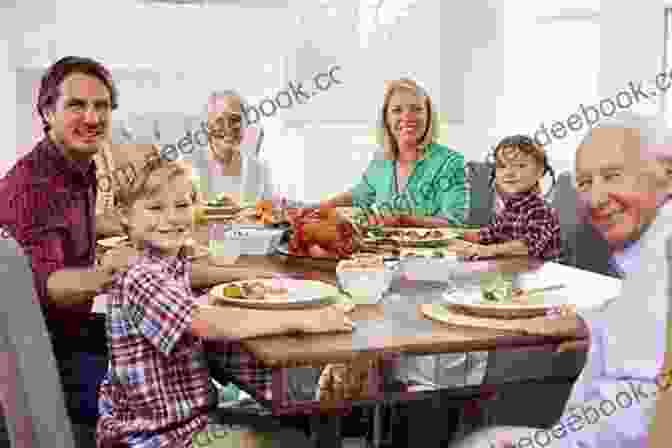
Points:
652	130
228	93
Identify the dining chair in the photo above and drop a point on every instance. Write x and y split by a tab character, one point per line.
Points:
565	201
481	195
31	393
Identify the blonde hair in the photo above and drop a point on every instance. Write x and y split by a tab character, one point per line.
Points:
383	134
156	175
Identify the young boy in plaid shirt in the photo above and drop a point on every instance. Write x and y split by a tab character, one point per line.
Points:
157	392
526	224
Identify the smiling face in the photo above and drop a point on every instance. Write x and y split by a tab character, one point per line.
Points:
225	124
80	118
616	185
164	218
406	117
516	171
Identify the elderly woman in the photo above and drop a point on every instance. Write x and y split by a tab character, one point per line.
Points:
419	183
224	168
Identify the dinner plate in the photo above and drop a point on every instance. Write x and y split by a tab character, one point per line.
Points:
112	242
301	294
471	301
447	234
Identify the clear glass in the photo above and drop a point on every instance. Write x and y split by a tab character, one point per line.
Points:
224	247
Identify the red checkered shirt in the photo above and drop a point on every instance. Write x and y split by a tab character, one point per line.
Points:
47	203
526	217
157	391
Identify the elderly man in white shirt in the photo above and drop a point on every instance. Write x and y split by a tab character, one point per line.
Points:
622	177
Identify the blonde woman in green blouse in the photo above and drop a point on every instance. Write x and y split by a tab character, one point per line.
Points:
419	183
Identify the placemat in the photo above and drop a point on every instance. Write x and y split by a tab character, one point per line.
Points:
560	326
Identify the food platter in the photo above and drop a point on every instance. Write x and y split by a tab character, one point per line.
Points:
274	293
521	304
421	237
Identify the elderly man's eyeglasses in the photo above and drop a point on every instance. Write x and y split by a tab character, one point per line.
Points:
225	121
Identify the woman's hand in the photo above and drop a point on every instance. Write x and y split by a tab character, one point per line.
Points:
385	220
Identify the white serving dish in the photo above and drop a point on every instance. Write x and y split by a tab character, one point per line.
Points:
365	285
252	241
429	269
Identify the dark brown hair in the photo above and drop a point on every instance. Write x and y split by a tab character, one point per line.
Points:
526	145
53	78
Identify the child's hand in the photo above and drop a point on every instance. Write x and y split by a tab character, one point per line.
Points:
322	320
120	259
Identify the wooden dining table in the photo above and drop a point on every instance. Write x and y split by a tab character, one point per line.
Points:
396	326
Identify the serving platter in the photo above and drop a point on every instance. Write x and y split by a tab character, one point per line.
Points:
420	236
530	303
299	294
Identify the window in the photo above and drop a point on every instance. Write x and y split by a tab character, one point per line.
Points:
551	63
666	101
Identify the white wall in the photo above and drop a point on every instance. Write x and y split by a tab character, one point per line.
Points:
168	59
632	46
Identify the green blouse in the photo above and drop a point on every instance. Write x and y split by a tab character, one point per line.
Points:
436	187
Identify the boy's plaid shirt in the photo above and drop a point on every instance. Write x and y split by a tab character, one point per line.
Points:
157	391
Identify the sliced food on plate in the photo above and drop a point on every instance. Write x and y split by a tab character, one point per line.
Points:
421	236
255	290
273	293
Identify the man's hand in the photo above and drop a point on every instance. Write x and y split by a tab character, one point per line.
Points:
120	259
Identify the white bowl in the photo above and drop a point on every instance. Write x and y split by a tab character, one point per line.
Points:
430	269
365	285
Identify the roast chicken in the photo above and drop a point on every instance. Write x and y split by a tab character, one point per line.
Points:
321	233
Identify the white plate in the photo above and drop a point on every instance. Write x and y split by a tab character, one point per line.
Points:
301	294
471	301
